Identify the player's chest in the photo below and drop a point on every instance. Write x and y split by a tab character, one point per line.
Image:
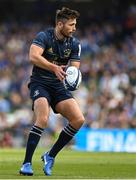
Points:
59	50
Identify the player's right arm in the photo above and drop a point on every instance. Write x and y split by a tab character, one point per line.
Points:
36	58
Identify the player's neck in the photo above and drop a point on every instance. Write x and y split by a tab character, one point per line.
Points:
58	35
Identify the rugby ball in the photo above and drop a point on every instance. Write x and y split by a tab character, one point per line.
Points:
73	78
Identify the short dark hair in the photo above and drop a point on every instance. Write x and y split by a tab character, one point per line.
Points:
66	14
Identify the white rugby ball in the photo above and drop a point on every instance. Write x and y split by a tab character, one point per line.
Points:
73	78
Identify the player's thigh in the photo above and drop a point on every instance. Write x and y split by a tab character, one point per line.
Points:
41	111
70	109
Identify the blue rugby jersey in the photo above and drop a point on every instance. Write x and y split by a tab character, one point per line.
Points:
56	51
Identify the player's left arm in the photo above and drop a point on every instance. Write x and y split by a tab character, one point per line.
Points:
75	63
75	54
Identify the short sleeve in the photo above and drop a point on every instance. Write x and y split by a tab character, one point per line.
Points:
41	40
76	50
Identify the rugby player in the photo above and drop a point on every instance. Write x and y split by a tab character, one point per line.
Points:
50	52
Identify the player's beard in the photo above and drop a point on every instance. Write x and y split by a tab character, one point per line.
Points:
62	31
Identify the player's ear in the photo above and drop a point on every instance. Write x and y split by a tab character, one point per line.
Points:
60	24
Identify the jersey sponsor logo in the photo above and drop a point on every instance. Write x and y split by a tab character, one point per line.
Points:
58	63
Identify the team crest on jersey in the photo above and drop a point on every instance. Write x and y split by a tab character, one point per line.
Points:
67	52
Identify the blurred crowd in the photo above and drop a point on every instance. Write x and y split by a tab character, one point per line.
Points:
107	95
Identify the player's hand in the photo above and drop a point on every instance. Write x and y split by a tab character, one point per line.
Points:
60	73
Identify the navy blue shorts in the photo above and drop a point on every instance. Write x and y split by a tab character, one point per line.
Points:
53	92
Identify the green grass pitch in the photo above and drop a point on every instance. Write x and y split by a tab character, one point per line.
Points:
71	164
